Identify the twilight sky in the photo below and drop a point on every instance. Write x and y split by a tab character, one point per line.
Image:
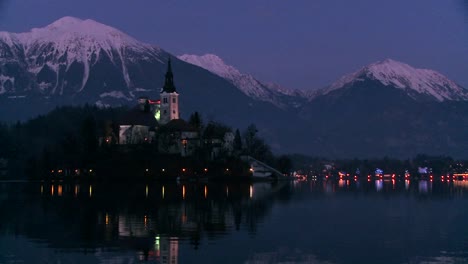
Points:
301	44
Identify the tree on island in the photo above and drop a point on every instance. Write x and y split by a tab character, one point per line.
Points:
196	121
237	142
256	146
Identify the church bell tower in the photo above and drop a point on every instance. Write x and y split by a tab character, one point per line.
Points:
169	98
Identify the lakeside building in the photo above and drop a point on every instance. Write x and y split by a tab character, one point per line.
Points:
158	122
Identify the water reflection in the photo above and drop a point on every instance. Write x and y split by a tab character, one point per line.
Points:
169	223
424	186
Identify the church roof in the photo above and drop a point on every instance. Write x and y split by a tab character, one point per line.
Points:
169	86
137	116
179	125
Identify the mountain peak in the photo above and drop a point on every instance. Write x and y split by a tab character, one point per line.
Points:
65	22
71	30
392	67
400	75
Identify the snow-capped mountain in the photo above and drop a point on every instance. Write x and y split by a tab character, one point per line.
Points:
417	83
268	92
384	108
63	57
74	61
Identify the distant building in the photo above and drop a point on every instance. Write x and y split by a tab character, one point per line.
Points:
178	136
169	98
139	125
158	121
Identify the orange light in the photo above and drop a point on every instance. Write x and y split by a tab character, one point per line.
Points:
206	169
183	169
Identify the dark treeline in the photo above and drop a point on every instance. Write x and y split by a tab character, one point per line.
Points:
72	138
85	138
66	134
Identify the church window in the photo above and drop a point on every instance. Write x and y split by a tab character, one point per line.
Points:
173	100
165	112
165	100
173	111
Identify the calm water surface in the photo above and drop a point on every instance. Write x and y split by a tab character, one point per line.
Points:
285	222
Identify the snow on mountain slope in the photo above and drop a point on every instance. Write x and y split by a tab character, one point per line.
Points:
402	76
58	46
246	83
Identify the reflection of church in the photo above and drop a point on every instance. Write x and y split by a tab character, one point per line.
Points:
158	121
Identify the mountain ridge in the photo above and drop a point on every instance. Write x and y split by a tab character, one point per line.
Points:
372	112
403	76
248	84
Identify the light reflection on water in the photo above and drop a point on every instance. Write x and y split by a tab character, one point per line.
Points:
387	221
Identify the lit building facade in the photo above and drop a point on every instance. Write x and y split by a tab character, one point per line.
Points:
169	98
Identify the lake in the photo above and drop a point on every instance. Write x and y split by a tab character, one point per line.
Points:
333	221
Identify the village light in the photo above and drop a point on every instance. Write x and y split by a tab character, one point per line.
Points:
183	169
206	169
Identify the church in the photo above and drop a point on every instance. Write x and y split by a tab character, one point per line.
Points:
158	122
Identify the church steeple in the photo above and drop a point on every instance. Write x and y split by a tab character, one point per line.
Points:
169	86
169	108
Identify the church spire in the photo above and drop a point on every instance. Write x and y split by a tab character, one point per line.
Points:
169	86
